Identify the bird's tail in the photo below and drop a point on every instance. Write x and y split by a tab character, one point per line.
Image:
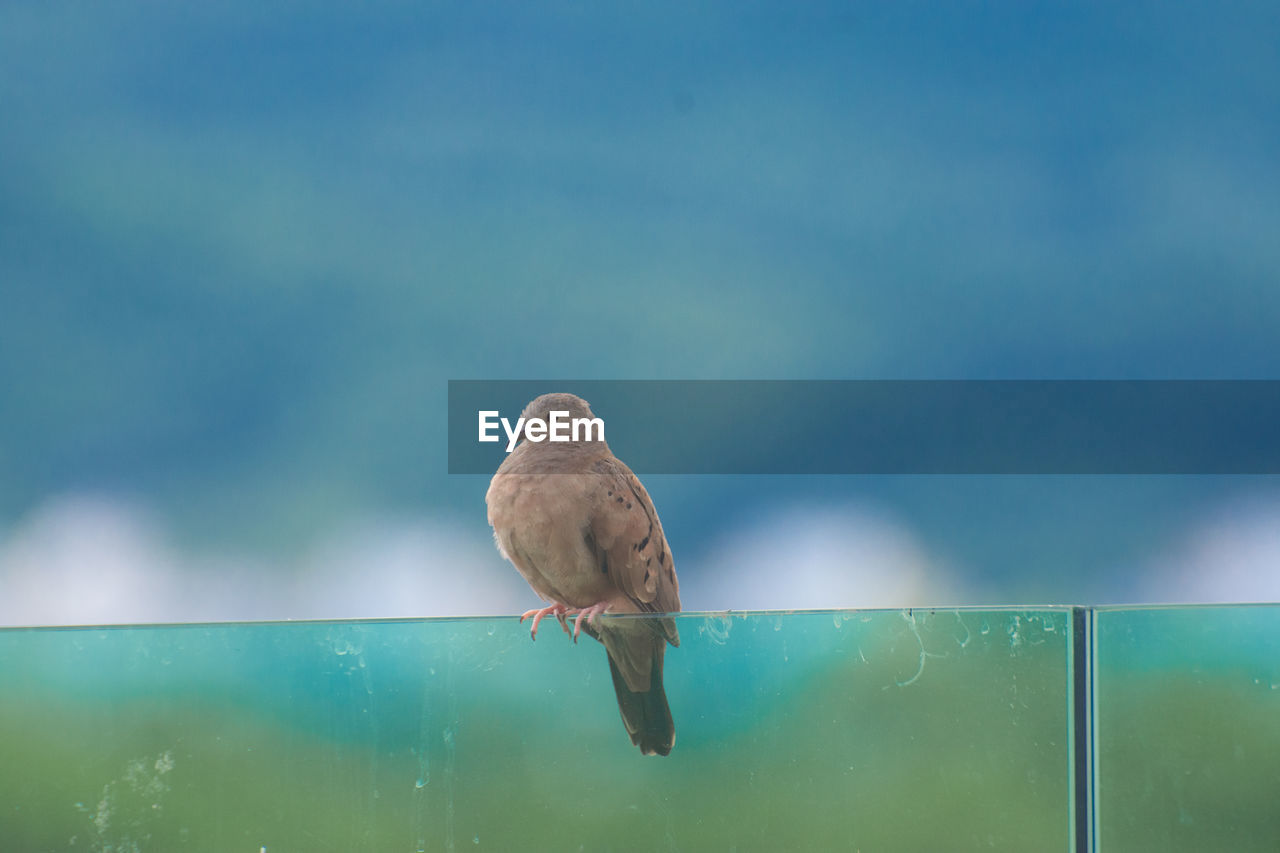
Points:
646	714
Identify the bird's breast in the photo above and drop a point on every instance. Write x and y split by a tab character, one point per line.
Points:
542	524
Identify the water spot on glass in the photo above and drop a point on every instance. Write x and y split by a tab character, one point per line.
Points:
716	628
343	646
1015	627
475	840
910	619
421	783
968	635
985	629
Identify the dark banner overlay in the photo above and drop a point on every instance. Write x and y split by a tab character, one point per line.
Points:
901	427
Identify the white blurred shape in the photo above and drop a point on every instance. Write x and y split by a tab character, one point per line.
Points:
411	568
810	557
81	560
1232	555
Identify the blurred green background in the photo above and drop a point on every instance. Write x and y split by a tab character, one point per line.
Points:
243	248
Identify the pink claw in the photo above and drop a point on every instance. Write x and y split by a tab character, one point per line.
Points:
557	610
591	613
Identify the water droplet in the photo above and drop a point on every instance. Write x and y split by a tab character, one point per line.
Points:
717	629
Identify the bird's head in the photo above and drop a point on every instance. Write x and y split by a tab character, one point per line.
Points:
542	407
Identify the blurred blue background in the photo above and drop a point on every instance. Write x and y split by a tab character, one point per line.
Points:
243	248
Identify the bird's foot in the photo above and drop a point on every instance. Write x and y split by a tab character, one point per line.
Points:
557	610
590	612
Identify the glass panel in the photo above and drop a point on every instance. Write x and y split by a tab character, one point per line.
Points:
887	730
1188	728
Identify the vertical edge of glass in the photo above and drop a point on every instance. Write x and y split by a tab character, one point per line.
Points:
1083	764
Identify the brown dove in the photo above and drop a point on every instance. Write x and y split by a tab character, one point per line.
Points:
582	530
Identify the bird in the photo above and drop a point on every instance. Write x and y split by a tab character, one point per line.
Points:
581	528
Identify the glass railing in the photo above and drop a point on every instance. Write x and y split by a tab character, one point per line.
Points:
1187	726
855	730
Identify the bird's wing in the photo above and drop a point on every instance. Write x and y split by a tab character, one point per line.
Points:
631	547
